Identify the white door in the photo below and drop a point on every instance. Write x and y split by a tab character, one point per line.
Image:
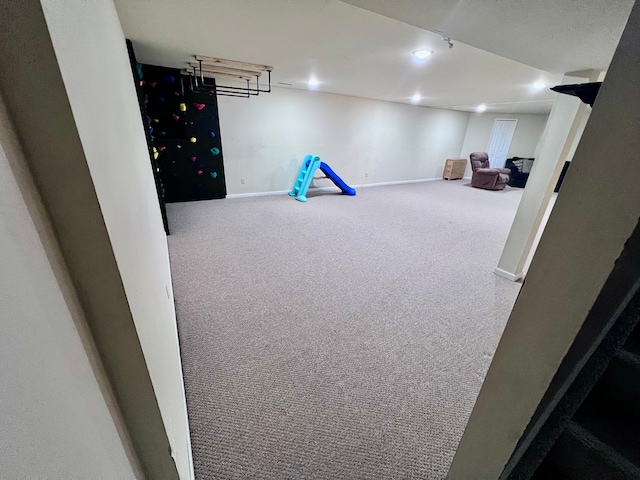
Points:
501	136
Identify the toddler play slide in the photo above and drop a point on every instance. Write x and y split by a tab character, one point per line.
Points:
309	165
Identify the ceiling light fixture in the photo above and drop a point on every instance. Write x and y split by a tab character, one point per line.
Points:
416	98
538	85
481	108
313	82
422	54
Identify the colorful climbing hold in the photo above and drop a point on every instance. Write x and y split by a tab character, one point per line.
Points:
153	84
178	146
162	133
155	120
183	107
193	139
190	123
199	106
150	129
199	172
177	94
169	78
162	149
155	153
215	151
175	117
214	174
193	159
212	134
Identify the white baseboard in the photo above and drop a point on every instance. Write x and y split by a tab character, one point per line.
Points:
508	275
257	194
399	182
330	189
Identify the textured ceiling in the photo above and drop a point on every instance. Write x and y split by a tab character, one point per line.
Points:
350	50
558	36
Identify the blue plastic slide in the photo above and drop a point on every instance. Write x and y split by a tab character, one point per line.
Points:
309	165
331	175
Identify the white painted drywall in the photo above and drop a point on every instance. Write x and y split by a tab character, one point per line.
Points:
590	223
55	422
91	51
265	138
561	135
528	132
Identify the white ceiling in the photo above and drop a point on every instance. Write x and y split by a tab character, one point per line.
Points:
555	35
350	50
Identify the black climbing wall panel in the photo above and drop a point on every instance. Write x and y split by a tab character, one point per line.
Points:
137	80
185	134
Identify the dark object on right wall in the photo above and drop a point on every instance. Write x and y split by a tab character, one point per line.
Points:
587	92
486	177
520	168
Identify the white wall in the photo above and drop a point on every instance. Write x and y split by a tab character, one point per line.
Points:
588	228
528	131
560	138
265	138
91	51
55	422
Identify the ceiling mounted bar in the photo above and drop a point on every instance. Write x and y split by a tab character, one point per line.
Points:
199	86
220	69
214	90
225	88
257	90
233	63
208	74
210	67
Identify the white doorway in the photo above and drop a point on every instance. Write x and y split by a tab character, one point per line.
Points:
501	136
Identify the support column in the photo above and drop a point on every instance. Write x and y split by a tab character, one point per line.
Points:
558	143
593	219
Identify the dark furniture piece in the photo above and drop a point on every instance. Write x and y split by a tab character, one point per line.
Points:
486	177
520	168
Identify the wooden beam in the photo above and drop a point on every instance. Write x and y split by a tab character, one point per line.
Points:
209	74
221	69
233	63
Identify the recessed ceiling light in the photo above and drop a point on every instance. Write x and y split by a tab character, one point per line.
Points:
422	54
481	108
313	82
416	98
538	85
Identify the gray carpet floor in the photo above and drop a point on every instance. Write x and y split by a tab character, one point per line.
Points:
345	338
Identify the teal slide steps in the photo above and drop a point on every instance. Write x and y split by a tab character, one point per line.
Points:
309	165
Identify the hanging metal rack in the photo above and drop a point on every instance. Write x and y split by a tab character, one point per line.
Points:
212	68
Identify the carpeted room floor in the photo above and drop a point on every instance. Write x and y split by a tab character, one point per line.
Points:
345	338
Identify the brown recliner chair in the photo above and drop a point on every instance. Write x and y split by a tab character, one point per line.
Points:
486	177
